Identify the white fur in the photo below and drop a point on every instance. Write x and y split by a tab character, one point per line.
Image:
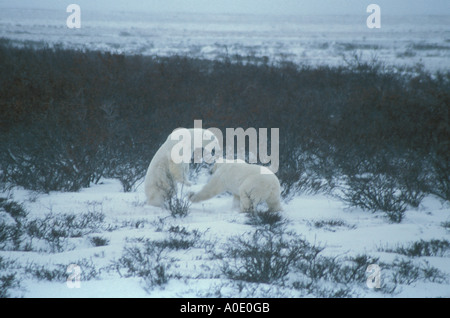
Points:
246	182
163	173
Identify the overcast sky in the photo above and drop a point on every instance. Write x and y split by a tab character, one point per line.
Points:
401	7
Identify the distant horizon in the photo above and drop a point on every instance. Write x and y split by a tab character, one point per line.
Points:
251	7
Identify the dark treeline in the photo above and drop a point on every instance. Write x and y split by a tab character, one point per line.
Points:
70	117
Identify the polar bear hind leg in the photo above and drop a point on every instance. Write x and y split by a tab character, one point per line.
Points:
254	191
249	194
274	204
155	197
236	201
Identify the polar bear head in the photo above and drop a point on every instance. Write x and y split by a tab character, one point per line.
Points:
186	141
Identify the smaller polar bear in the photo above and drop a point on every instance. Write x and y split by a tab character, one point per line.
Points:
165	171
250	185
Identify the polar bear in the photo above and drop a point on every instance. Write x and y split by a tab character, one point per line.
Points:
166	170
250	185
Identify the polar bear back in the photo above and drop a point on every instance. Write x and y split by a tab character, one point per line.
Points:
239	176
249	184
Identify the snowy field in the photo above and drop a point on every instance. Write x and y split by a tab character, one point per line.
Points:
195	270
311	40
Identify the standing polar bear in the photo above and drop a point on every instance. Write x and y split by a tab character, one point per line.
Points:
168	167
250	185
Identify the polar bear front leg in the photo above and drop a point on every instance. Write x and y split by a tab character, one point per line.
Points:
185	175
211	189
155	196
178	172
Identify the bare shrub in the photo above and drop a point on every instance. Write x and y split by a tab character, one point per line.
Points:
148	262
263	256
8	279
176	201
108	118
375	193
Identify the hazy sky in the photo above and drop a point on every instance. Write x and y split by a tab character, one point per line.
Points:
401	7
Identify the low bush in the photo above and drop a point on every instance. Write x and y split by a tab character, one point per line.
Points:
14	209
70	117
375	193
176	200
99	241
263	256
8	278
148	262
52	230
180	238
56	229
421	248
331	224
60	273
265	219
407	272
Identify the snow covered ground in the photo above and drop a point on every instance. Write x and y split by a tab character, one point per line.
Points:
194	272
307	39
